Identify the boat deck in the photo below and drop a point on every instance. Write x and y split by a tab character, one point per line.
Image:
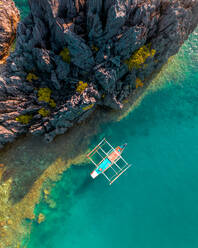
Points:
104	157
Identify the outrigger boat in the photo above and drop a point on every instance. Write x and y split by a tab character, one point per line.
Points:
109	157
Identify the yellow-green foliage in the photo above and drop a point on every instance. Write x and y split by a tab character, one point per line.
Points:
13	46
44	95
24	119
44	112
52	103
31	76
138	59
88	107
139	83
125	101
95	48
65	55
81	86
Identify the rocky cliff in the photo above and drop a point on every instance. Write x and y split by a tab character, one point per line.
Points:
9	18
72	55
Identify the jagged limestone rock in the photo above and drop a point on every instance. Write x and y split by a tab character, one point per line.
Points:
106	46
9	18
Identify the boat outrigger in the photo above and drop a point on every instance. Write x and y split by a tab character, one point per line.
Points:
104	157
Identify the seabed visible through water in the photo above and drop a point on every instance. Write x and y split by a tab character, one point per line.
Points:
154	205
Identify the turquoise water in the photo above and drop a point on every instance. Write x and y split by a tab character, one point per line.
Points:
23	7
155	203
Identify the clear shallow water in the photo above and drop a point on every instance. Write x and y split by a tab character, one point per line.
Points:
155	203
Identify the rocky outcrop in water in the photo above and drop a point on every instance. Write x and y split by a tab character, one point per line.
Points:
74	55
9	18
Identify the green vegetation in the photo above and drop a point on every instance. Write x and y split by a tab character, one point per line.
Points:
65	54
44	112
139	57
95	48
139	83
24	119
13	46
44	95
88	107
52	103
81	86
31	76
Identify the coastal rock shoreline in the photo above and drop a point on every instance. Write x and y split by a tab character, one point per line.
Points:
73	55
9	19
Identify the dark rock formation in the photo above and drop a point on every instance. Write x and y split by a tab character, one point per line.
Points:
9	18
74	54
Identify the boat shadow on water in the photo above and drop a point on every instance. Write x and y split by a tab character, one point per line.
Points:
87	182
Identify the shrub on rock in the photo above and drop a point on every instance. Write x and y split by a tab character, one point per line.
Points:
65	55
44	112
81	86
138	59
31	76
44	95
24	119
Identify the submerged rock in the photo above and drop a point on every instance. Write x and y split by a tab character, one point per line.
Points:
41	218
73	55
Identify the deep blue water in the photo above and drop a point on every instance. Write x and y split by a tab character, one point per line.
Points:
155	203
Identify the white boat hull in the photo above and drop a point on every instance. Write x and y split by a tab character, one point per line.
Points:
94	174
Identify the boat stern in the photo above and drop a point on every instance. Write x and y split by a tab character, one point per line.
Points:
94	174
